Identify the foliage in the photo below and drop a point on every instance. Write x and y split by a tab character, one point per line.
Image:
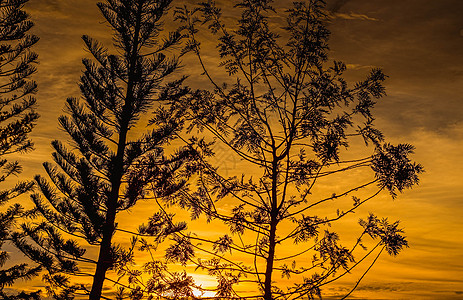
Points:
17	118
290	117
107	165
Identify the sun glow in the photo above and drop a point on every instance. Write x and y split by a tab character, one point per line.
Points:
203	294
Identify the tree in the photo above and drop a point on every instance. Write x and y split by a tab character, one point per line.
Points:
17	118
104	173
290	117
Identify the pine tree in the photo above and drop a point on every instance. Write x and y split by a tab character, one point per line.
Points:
17	118
287	114
107	167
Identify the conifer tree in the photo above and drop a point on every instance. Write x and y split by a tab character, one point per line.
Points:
104	170
289	116
17	118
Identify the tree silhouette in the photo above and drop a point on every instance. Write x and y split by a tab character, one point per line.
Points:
107	167
290	117
17	118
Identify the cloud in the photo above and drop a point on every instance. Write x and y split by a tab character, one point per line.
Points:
354	16
379	287
373	290
358	67
336	7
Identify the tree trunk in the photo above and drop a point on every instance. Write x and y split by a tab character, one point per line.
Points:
104	263
273	229
105	257
270	258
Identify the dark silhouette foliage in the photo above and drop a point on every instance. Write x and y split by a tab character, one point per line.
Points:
17	118
290	118
107	165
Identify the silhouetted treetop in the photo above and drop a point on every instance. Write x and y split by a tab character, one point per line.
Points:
288	116
17	119
108	164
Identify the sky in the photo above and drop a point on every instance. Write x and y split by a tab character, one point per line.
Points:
418	44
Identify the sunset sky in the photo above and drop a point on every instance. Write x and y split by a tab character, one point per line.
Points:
418	44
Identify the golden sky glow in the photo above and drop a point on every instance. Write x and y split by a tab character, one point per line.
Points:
417	43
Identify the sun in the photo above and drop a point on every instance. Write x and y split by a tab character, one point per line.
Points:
203	294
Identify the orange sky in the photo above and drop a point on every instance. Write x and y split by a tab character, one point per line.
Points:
419	44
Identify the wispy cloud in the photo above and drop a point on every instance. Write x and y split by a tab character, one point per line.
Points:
353	16
334	12
358	67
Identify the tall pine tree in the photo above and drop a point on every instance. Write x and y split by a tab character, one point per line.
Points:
17	118
105	169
